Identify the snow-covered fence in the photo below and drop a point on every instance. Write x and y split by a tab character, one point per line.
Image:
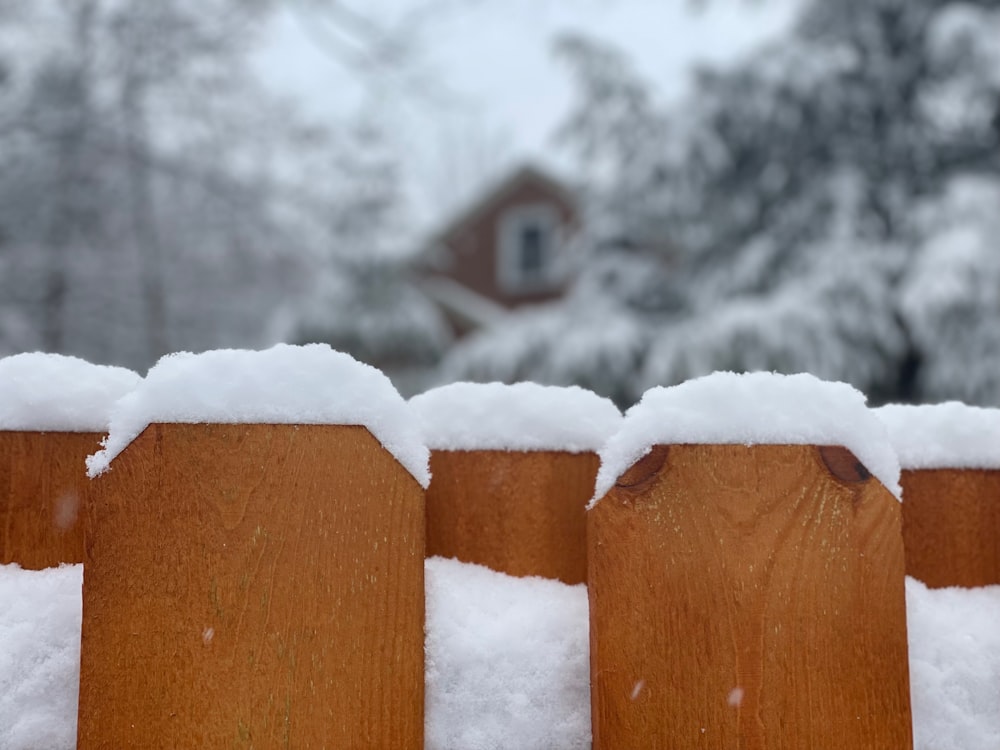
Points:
256	535
53	412
950	455
746	582
41	496
256	579
512	469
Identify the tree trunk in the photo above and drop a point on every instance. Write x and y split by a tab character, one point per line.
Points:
142	215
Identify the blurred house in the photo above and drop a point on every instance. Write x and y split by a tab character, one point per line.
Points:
510	247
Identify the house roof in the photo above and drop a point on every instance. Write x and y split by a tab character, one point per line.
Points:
496	192
468	307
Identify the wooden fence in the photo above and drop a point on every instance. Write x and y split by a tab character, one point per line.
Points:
262	585
42	494
951	526
517	512
748	597
253	586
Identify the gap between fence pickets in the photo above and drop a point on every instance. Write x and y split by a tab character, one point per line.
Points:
512	468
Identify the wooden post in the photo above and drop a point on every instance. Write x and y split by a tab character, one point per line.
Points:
253	586
951	526
43	482
518	512
748	597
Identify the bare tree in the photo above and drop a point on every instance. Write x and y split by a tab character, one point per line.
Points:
127	112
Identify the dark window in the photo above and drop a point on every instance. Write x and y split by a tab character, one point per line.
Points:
528	250
534	255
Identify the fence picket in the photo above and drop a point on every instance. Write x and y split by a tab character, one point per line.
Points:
518	512
951	526
253	586
43	486
748	596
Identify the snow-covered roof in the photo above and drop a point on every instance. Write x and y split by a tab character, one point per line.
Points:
942	436
461	301
751	409
286	384
519	417
52	392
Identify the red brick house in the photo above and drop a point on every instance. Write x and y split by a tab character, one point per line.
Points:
509	248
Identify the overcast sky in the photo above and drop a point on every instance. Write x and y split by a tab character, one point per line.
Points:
481	89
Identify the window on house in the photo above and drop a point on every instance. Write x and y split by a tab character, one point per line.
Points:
534	251
528	250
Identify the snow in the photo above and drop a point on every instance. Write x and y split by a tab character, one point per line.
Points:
519	417
40	615
52	392
751	409
586	340
954	666
832	318
964	29
507	661
943	436
949	297
282	385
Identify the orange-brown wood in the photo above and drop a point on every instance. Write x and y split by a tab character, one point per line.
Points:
521	513
43	484
951	526
748	598
253	586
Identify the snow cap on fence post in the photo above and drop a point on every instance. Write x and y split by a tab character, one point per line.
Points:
951	435
518	417
950	455
55	393
759	408
285	384
513	468
53	411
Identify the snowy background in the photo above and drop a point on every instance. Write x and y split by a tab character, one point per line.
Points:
788	185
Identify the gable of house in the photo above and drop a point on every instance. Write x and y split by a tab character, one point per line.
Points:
510	247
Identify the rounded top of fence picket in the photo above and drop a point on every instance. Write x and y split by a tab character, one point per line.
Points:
518	417
55	393
758	408
943	436
285	384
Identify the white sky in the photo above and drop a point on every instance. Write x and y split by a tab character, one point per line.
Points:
484	91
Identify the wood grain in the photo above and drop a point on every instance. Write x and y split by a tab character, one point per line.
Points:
518	512
951	526
43	485
745	598
253	586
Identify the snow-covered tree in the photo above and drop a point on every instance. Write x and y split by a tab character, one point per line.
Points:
139	210
363	299
950	297
154	197
773	211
